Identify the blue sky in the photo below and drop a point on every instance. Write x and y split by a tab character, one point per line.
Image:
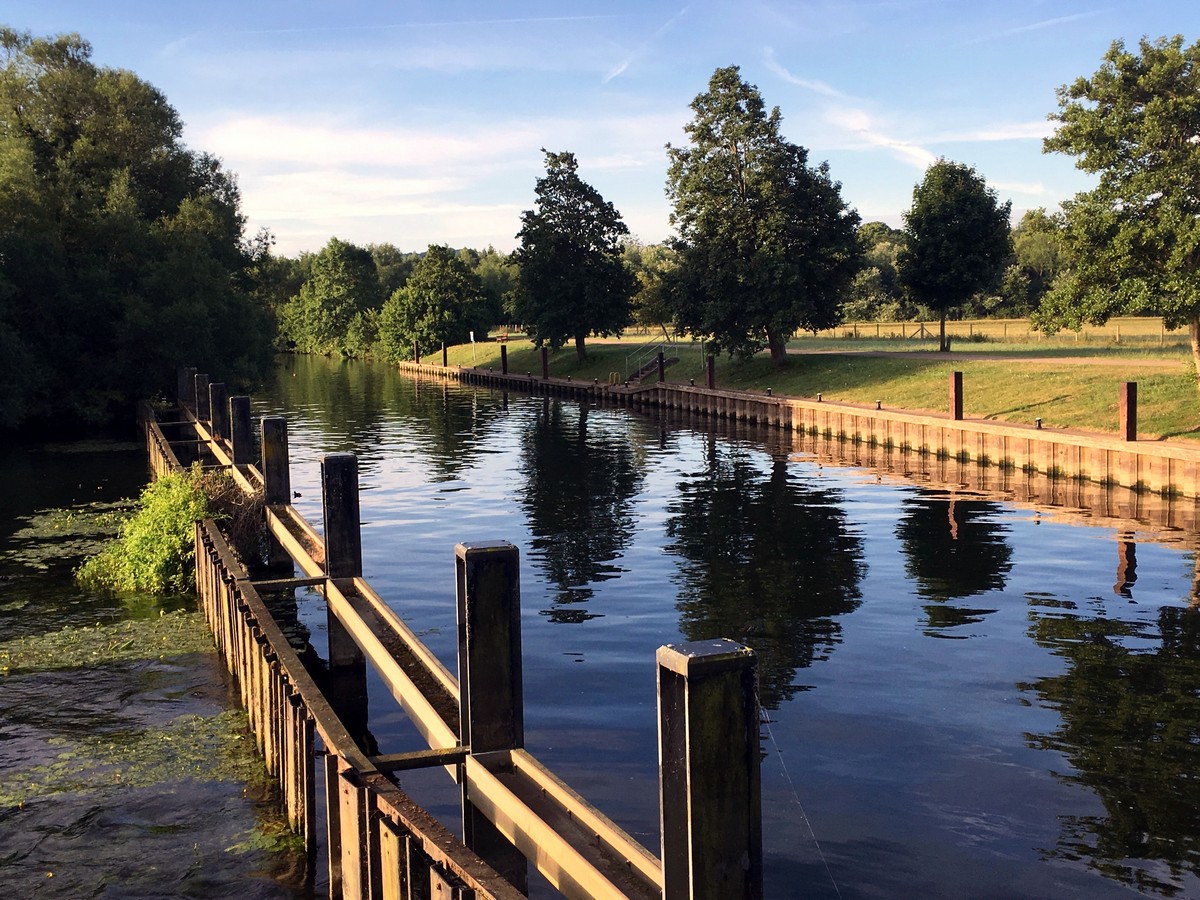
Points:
420	122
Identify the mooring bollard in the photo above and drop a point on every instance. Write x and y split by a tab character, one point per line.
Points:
491	698
241	434
709	782
218	409
186	389
956	396
201	394
1127	402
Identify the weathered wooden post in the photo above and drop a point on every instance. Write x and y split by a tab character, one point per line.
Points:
445	357
956	396
416	353
710	371
491	699
241	433
709	782
187	387
201	394
218	409
1128	411
545	363
503	359
277	478
662	367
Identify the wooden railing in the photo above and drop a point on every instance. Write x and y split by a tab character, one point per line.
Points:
515	811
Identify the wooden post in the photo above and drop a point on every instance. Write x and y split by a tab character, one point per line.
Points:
445	357
545	363
662	367
503	359
218	410
711	803
416	353
956	396
277	479
710	369
1127	403
241	434
491	699
201	394
187	387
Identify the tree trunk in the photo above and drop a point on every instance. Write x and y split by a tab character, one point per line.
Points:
580	352
942	348
778	344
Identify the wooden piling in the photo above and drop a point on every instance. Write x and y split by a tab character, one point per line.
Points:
1127	402
662	367
545	363
201	393
186	389
710	791
710	371
241	434
491	699
956	396
503	359
218	409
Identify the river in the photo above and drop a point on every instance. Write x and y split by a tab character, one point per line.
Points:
962	696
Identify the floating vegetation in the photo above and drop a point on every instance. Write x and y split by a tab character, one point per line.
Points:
193	747
52	535
169	634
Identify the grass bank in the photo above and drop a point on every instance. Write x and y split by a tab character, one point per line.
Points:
1063	384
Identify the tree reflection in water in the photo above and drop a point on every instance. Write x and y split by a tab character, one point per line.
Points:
581	476
1130	728
768	559
954	548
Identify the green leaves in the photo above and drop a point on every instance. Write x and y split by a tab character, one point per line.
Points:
571	282
442	302
766	243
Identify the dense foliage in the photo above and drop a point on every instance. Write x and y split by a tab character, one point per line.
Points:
766	243
956	239
1133	242
121	252
571	282
442	302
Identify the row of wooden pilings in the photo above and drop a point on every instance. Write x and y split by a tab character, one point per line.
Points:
310	725
1116	459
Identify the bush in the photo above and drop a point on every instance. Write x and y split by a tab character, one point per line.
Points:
155	547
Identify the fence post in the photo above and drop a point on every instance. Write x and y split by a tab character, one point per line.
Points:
956	396
662	367
710	371
709	782
187	387
277	479
202	397
218	410
1128	411
491	700
240	434
503	359
416	353
445	356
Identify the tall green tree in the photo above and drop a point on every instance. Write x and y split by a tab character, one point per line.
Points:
956	239
442	302
333	311
122	253
766	243
1134	240
571	281
651	265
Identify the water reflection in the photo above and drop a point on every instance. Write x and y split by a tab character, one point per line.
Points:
768	559
581	476
954	548
1130	728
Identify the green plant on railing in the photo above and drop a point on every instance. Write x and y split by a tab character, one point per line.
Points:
154	549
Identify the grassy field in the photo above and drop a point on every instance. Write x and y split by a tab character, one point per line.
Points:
1063	383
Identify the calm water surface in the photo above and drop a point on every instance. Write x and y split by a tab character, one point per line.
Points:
964	697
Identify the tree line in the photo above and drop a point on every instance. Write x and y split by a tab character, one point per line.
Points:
123	254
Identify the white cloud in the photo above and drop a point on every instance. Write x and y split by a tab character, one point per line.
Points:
643	48
817	87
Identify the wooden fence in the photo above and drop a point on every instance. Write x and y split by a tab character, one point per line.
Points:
310	724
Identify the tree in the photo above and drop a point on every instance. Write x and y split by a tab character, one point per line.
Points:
335	302
441	303
651	265
122	253
766	243
956	239
1133	241
571	282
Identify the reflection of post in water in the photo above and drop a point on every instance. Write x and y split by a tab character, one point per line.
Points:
1126	565
347	674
